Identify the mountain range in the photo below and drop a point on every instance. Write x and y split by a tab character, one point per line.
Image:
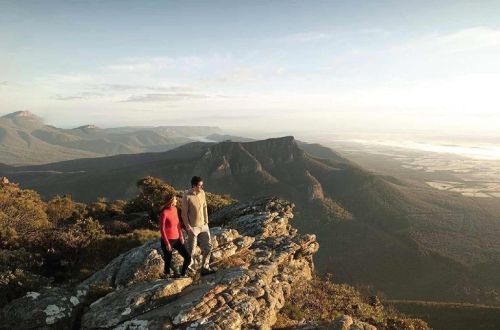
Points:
26	140
409	241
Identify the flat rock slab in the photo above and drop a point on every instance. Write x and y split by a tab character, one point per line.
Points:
125	304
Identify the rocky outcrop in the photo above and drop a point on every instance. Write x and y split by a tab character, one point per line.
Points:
314	188
259	257
47	309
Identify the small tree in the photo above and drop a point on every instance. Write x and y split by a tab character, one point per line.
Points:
22	214
61	209
151	197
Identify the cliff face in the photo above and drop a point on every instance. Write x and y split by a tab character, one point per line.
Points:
259	256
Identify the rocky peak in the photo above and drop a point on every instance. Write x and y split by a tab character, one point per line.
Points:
89	126
259	257
23	119
229	158
282	149
21	114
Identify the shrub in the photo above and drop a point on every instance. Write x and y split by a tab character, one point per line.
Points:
8	237
61	209
65	246
19	259
151	197
98	209
117	207
103	250
323	300
117	227
216	202
22	215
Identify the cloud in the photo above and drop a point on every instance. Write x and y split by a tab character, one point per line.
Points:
81	96
125	87
165	97
68	98
238	75
150	64
4	83
141	79
469	39
307	37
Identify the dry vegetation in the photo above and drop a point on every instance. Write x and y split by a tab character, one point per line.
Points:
321	300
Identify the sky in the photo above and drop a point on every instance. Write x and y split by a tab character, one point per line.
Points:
263	66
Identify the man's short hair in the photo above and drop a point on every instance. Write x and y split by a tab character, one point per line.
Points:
195	180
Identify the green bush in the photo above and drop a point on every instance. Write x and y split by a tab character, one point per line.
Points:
22	215
151	198
19	259
65	246
216	202
101	251
61	209
117	227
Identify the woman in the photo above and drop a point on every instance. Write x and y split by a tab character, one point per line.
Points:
171	237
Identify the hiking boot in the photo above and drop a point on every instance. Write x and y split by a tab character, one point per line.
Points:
207	271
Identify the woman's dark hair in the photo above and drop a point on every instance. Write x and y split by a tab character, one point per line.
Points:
195	180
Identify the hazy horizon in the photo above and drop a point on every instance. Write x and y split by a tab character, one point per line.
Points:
261	67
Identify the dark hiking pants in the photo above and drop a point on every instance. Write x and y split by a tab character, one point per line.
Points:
167	255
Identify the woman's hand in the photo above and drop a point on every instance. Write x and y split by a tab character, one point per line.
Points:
169	248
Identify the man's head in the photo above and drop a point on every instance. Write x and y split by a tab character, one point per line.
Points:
196	183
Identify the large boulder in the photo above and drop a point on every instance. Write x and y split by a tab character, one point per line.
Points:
49	308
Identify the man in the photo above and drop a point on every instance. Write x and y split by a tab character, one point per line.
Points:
195	218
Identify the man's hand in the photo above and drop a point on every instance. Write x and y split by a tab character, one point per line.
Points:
189	229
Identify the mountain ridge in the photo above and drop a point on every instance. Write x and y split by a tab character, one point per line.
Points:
26	140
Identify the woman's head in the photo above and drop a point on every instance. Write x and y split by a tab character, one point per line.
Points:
170	200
